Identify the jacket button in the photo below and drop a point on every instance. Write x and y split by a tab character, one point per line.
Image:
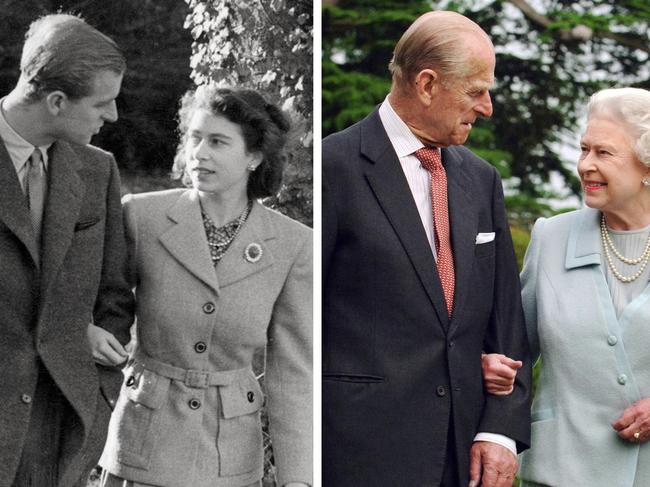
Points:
26	398
250	396
200	347
194	403
441	391
612	340
208	308
130	381
622	379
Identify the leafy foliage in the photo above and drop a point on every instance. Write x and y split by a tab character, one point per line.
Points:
551	56
264	45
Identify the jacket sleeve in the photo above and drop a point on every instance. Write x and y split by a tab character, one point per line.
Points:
506	334
529	287
114	306
288	376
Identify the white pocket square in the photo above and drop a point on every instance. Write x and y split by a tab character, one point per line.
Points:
482	238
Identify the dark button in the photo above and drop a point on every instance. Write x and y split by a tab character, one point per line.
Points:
130	381
200	347
208	308
451	344
26	398
194	403
250	396
441	391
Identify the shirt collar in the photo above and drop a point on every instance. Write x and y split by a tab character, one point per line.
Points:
18	148
403	140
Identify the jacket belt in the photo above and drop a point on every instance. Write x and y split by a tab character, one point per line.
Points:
198	379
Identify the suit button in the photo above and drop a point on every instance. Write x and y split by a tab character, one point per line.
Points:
441	391
622	379
194	403
208	308
26	398
130	381
200	347
451	344
612	340
250	396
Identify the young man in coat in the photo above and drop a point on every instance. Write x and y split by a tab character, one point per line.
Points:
62	254
419	278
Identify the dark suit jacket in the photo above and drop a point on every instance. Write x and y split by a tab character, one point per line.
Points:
396	370
45	308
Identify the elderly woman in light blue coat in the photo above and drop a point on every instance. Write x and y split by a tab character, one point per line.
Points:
586	298
217	277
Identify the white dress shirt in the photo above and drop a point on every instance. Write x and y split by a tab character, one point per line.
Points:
18	148
405	143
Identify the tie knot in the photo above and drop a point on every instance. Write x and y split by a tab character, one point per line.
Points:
36	159
430	158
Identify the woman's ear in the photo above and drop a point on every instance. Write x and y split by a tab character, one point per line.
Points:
255	160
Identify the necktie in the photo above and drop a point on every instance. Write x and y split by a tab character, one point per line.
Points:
430	159
35	187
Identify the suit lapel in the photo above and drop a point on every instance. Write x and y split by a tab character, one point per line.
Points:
392	191
62	206
13	205
186	240
463	222
238	262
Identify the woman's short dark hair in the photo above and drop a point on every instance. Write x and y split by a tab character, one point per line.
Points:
264	126
62	52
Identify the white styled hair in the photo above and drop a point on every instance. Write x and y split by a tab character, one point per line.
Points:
630	106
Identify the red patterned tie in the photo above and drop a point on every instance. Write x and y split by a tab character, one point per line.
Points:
430	159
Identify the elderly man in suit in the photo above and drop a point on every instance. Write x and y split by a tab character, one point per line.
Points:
62	254
419	278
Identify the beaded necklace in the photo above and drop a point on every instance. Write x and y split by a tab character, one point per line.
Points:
609	245
219	239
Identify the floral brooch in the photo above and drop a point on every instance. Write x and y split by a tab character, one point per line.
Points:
253	252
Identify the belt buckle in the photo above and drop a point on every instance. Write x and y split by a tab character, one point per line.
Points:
197	379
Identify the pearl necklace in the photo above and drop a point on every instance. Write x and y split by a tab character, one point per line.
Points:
608	244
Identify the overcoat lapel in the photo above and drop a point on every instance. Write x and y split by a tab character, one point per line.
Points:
13	205
239	261
391	189
186	240
463	223
63	203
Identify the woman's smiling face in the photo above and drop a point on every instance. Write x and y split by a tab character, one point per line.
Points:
609	169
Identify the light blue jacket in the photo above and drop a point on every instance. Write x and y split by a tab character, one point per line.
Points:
593	364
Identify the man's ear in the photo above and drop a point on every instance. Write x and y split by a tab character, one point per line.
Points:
427	84
56	102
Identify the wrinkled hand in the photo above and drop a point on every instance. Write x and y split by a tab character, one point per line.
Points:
635	419
499	373
105	348
491	465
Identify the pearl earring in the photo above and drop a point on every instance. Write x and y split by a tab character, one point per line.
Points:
646	181
251	167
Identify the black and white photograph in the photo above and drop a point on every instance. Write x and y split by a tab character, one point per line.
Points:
156	249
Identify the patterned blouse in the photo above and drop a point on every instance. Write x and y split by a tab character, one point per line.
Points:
219	239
